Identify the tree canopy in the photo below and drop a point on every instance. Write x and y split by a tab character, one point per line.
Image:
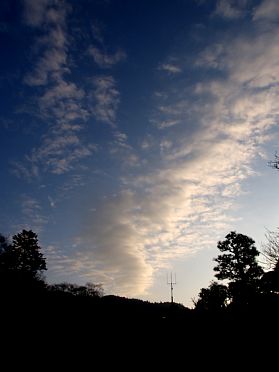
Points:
25	254
21	263
213	298
239	263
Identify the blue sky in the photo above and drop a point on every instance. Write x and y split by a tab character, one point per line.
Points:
136	134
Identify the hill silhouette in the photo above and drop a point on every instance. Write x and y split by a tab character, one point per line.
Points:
70	314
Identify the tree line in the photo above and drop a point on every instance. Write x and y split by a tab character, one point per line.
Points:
22	265
247	285
241	282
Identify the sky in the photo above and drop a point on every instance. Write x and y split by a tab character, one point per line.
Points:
136	134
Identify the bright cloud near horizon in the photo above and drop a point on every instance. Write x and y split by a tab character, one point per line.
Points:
135	135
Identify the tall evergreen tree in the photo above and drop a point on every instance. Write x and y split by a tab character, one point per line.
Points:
21	265
25	254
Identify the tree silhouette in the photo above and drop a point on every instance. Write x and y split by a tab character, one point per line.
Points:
270	282
25	255
239	266
21	263
87	290
213	298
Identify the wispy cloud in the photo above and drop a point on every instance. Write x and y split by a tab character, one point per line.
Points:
60	103
35	11
257	63
51	16
22	171
51	64
32	214
267	10
65	105
63	101
170	68
104	60
214	127
186	203
59	153
167	123
97	33
105	97
38	13
230	9
121	149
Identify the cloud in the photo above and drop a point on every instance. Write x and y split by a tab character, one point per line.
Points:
59	153
267	10
230	9
34	11
52	202
186	202
32	215
26	172
60	103
105	60
63	101
61	147
256	58
64	105
167	124
122	151
183	200
136	233
97	33
105	97
121	137
115	242
52	64
170	68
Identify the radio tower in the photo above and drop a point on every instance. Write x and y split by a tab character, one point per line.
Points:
171	283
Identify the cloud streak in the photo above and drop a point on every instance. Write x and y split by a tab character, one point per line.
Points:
267	10
105	97
170	68
105	60
62	103
210	120
32	214
186	203
230	9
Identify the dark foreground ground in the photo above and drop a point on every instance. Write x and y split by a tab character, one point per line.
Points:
114	333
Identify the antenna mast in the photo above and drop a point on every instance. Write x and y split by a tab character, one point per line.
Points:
171	282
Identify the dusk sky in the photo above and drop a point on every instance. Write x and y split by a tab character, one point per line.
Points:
135	134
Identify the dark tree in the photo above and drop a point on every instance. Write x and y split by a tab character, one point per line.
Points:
239	266
214	298
21	265
270	282
240	263
25	254
94	290
87	290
